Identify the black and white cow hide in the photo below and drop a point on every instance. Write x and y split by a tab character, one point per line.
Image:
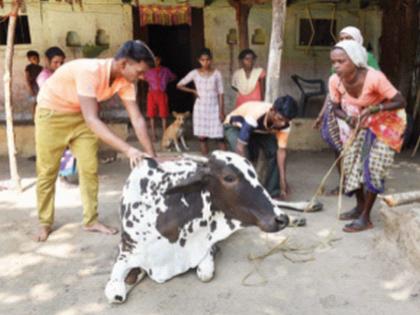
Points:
174	213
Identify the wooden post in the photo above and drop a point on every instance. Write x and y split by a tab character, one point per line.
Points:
242	8
7	79
276	50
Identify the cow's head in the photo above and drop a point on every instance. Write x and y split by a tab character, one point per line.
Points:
235	190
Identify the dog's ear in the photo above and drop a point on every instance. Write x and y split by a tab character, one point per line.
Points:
187	114
174	113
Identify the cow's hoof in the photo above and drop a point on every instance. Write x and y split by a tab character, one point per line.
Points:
115	292
205	270
204	276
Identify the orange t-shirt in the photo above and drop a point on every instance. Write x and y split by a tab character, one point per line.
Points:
375	90
84	77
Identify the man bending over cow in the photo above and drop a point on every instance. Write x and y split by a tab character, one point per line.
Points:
67	116
256	125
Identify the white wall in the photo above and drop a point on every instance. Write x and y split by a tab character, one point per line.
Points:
49	23
308	63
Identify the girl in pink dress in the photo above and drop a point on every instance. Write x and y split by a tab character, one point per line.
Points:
209	112
54	58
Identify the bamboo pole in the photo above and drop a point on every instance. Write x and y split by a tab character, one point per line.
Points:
7	79
276	50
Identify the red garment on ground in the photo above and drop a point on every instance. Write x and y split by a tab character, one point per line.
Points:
157	104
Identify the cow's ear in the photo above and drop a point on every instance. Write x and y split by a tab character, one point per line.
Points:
194	183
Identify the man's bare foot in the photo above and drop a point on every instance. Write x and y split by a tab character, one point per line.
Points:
43	233
101	228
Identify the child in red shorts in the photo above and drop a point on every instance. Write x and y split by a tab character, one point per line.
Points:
157	99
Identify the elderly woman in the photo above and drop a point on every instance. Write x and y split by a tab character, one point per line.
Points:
364	98
347	33
331	131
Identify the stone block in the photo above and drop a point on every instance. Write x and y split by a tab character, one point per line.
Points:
402	227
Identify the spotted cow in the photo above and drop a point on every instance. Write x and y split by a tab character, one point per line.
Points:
175	212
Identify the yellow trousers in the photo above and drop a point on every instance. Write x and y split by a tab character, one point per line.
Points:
54	131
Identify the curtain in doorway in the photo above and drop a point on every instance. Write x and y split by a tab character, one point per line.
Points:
165	14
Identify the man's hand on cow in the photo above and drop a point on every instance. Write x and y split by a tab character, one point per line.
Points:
164	158
136	156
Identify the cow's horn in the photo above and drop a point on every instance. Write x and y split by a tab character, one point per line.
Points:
196	158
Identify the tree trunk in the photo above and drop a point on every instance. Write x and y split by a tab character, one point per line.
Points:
7	79
242	13
276	50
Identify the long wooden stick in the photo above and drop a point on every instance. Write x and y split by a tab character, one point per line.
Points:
7	79
401	198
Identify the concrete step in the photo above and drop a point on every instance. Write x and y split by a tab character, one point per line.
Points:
402	227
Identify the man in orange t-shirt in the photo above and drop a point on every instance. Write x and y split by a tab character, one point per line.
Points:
67	116
263	125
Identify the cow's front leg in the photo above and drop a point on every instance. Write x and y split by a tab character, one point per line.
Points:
116	290
205	269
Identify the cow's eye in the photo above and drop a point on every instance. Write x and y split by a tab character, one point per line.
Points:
229	178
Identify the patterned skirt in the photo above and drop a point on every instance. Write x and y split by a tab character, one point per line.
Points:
367	163
330	131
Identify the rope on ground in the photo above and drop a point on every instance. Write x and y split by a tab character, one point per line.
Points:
292	252
284	246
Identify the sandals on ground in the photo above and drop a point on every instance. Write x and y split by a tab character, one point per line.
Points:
357	226
352	214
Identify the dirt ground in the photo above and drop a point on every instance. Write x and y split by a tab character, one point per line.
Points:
331	272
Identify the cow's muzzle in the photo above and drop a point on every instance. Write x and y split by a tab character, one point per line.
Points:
274	224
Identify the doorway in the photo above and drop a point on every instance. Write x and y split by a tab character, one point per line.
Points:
177	45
